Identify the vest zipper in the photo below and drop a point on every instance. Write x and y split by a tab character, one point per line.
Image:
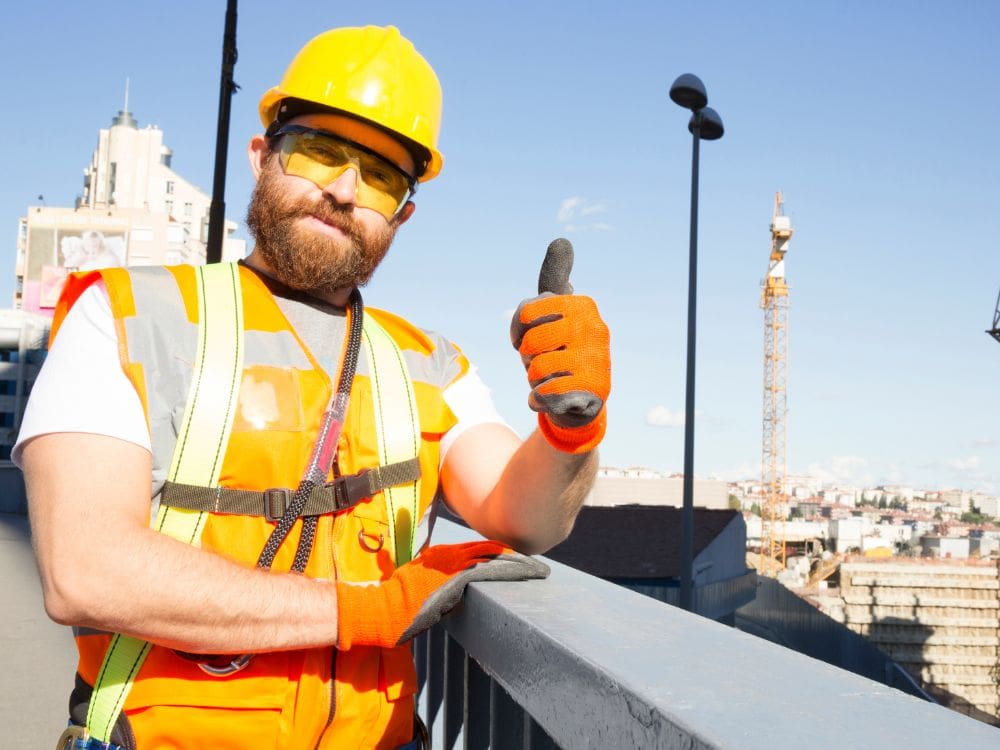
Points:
335	467
333	697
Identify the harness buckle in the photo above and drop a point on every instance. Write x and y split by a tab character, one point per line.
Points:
236	664
67	740
348	490
276	502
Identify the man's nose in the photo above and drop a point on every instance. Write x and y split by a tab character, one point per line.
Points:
344	188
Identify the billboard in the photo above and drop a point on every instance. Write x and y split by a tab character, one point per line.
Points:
61	241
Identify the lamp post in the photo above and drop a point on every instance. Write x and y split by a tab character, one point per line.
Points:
705	124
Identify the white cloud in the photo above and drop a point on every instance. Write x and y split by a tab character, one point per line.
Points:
963	464
661	416
574	213
841	470
589	209
567	209
985	442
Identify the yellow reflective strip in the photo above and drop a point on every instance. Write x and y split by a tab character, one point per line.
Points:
397	428
201	444
122	661
214	389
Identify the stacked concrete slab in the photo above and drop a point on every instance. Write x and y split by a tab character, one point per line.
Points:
940	621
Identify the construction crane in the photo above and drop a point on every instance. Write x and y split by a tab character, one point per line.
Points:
994	331
774	454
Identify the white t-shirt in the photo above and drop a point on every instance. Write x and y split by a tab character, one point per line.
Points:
82	388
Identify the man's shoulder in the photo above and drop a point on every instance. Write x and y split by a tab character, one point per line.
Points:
409	335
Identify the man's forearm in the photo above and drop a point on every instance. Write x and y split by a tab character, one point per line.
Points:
161	590
538	496
103	567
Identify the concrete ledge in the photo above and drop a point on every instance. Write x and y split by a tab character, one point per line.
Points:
599	666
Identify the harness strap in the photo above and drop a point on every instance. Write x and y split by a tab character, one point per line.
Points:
197	459
340	494
397	428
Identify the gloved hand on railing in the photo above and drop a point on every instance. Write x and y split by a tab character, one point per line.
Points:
566	348
423	590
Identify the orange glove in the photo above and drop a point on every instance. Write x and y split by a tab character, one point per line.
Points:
423	590
566	348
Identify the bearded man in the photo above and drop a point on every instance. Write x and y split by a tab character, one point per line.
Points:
290	445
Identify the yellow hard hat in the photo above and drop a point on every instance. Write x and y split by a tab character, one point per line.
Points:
372	73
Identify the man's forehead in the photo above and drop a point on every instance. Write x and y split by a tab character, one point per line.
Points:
360	132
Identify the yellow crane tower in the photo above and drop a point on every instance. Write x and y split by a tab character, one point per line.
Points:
774	455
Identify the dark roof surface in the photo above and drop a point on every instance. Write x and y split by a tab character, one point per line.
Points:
635	541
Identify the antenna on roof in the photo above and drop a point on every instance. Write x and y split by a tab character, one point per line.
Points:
124	116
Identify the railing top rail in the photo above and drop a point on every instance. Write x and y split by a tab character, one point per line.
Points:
597	665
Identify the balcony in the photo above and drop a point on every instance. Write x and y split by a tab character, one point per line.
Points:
576	662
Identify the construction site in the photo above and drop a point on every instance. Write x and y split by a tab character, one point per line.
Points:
938	618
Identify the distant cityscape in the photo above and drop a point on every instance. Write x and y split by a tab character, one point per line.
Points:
884	521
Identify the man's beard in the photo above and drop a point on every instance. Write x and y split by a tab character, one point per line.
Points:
307	260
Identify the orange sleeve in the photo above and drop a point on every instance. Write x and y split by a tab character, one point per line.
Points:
76	284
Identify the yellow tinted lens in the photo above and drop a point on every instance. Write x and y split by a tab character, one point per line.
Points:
322	159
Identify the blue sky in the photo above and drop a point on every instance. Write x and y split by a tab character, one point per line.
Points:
877	120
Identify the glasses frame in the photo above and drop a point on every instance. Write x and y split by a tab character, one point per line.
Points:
284	130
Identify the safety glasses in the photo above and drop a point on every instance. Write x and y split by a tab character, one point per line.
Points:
322	157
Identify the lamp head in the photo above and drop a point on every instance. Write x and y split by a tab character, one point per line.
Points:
689	92
709	124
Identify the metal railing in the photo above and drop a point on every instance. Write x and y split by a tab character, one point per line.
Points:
576	662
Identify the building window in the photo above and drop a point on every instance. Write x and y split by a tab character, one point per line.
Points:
169	206
187	209
170	187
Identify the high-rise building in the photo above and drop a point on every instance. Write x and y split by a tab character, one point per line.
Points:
134	211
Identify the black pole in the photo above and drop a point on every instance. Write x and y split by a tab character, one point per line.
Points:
687	513
227	87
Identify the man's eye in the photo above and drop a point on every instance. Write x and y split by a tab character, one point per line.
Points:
320	152
379	177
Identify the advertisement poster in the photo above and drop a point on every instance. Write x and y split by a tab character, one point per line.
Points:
60	243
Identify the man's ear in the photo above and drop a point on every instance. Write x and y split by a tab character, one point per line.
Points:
257	152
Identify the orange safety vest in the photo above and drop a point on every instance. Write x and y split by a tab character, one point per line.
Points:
320	697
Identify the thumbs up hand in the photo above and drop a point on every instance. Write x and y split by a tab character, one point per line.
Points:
565	347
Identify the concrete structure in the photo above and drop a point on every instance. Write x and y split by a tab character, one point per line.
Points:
134	210
846	534
946	547
941	622
610	490
987	504
39	656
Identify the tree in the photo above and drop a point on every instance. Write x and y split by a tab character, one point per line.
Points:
973	517
755	509
734	502
882	504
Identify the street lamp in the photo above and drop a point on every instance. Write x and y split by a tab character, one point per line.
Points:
689	92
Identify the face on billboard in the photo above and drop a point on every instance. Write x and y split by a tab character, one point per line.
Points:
58	245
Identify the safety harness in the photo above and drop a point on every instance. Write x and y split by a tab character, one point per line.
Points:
191	490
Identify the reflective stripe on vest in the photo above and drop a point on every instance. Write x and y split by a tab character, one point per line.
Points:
208	420
392	396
